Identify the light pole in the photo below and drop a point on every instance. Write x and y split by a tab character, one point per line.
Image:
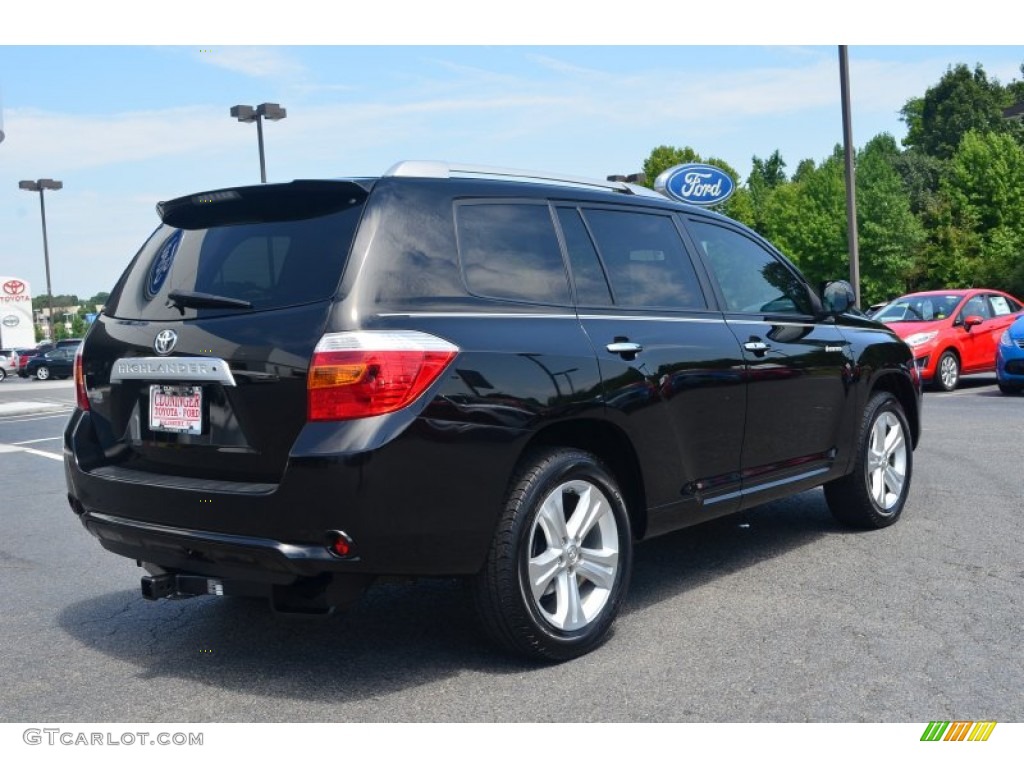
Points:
39	186
247	114
848	160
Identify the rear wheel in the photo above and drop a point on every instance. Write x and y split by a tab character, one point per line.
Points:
947	372
42	373
559	565
873	495
3	374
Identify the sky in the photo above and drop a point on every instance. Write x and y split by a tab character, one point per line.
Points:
125	121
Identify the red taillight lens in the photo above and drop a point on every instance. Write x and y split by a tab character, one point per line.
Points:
80	394
367	373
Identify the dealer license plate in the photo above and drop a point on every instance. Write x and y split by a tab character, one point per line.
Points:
176	409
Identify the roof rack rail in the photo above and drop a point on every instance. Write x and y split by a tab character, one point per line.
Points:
438	170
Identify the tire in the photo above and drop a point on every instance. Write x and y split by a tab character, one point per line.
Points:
873	494
947	372
42	373
1006	389
3	374
578	559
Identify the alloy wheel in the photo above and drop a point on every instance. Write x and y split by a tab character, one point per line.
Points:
948	372
573	555
886	460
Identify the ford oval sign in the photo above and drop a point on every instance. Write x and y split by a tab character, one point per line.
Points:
695	183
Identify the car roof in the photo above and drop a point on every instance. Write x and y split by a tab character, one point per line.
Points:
952	292
487	180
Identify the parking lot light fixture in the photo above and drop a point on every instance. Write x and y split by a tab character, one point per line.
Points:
40	185
245	113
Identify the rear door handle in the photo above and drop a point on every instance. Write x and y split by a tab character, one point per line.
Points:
757	347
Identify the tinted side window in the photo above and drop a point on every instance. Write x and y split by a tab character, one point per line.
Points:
1002	305
510	251
587	273
644	256
751	278
975	306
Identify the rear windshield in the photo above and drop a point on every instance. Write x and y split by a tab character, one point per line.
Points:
269	255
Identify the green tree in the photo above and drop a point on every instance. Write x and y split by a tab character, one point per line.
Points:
985	186
920	174
765	177
889	235
664	157
804	169
41	301
770	173
806	219
90	304
962	101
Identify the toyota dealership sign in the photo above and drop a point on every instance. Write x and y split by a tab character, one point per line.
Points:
16	328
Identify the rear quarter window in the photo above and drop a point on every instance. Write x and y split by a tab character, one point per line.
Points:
510	251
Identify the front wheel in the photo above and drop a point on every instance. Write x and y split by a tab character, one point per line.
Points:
1009	389
3	374
947	373
42	373
873	495
559	564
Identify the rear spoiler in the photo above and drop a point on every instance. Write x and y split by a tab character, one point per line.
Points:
303	199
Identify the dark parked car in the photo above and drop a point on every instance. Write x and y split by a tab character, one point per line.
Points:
55	364
458	371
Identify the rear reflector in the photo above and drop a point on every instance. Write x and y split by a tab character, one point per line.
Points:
339	543
80	394
366	373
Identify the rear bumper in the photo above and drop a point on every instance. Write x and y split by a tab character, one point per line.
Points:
408	508
224	556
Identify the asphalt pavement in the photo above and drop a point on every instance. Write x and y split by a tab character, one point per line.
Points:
777	614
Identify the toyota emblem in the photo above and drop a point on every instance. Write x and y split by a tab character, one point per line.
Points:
165	341
14	287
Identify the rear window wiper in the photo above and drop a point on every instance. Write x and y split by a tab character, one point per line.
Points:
196	300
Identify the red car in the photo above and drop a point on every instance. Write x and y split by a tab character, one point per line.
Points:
952	332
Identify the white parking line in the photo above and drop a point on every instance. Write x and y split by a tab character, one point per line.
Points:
20	419
37	440
10	448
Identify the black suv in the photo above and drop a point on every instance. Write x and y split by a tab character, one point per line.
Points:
463	371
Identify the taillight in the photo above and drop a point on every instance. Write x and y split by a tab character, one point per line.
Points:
80	395
366	373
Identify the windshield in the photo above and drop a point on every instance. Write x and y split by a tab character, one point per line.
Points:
924	307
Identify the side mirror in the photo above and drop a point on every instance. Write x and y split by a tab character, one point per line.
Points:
972	320
838	297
